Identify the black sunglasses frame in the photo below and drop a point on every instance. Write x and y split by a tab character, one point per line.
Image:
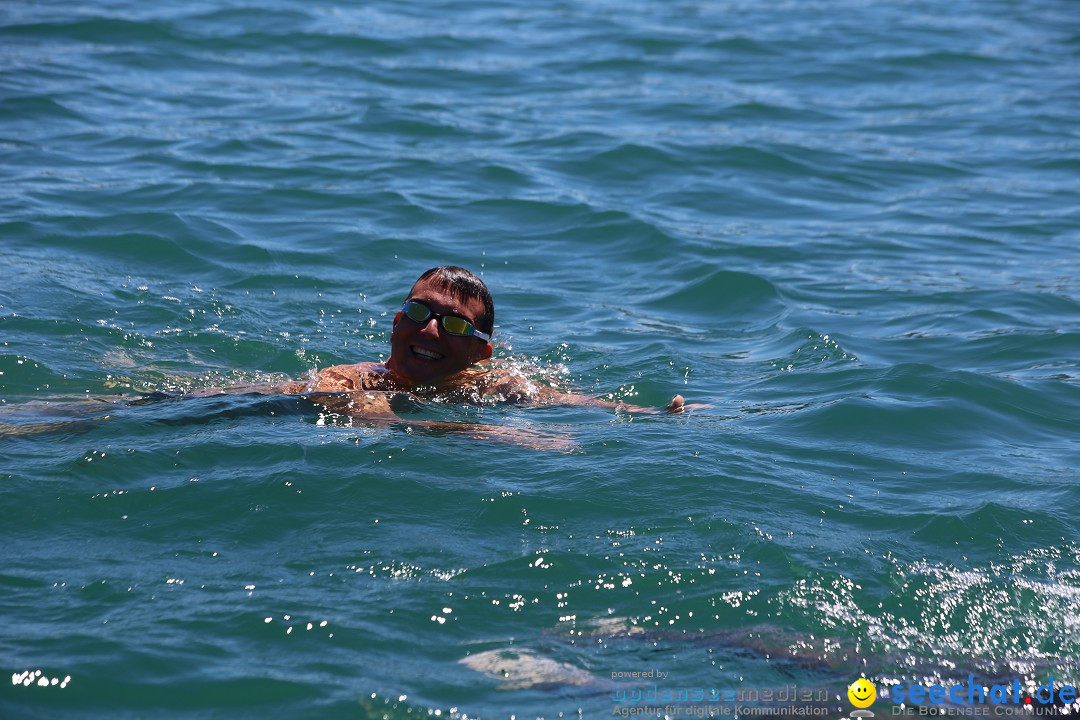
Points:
441	319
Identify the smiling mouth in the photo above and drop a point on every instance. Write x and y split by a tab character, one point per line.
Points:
425	353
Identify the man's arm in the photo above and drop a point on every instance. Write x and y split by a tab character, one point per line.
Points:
677	404
339	378
513	386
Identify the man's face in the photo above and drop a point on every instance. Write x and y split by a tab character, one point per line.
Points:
424	353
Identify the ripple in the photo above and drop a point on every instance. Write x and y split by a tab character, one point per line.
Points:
849	227
97	30
738	302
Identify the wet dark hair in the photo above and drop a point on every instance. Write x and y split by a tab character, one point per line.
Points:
464	285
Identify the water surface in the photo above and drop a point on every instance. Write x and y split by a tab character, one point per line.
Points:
849	227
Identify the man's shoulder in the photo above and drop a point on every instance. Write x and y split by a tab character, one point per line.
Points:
348	378
357	368
507	381
495	370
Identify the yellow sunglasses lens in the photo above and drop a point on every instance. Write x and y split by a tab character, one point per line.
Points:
456	325
418	312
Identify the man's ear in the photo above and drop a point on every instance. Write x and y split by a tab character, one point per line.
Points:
486	352
396	318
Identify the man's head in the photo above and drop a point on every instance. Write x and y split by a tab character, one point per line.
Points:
426	353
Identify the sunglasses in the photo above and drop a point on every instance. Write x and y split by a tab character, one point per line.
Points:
420	313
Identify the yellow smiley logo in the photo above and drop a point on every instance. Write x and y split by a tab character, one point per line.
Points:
862	693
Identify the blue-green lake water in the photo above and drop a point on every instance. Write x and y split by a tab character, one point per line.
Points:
850	228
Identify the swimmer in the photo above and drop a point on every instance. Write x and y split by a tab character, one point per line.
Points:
441	345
